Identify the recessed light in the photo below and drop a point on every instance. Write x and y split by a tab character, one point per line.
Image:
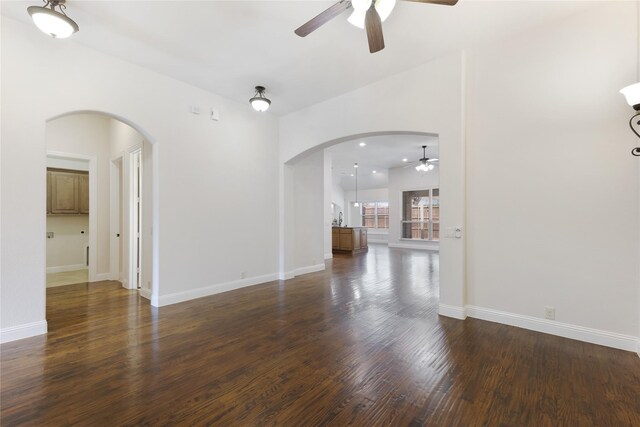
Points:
351	174
362	144
405	160
375	172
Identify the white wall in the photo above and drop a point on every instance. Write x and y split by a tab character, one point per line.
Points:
327	187
337	197
425	99
67	250
208	166
553	212
309	207
552	189
88	135
403	179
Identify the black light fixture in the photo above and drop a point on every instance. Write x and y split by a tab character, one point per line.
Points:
632	95
259	102
51	21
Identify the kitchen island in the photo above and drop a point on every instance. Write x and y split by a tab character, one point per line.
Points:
349	240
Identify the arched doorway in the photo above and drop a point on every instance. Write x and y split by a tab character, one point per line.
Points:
122	212
308	219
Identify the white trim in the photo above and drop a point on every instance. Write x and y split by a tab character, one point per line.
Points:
580	333
177	297
286	275
65	268
135	227
328	256
452	311
424	247
308	269
116	184
145	293
101	277
26	330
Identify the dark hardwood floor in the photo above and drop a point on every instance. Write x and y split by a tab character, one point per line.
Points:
358	344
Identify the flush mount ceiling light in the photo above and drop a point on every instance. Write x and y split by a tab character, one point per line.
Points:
259	102
51	21
632	94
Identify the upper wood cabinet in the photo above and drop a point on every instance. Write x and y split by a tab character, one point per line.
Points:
83	193
67	192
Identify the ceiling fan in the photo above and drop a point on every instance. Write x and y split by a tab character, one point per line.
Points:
425	164
368	14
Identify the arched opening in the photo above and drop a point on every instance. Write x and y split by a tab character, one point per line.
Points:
397	206
101	210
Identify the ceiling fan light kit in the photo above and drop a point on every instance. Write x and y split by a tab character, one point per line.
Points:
52	22
259	102
366	14
360	8
425	164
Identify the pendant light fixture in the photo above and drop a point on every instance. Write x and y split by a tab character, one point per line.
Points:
259	102
356	204
52	22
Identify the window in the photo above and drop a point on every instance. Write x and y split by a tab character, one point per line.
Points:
375	214
421	214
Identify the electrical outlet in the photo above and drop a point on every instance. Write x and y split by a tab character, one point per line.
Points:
243	274
550	313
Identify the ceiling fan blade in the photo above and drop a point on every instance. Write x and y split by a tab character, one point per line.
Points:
373	24
323	18
442	2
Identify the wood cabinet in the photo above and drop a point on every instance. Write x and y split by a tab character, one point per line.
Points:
349	240
67	192
83	193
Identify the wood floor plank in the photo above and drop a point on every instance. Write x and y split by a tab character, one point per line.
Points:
358	344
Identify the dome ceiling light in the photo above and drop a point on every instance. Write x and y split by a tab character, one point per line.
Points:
52	22
259	102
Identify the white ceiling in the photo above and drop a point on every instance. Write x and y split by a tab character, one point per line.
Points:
228	47
380	153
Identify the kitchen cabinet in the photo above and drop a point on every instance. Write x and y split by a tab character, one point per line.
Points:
351	240
67	192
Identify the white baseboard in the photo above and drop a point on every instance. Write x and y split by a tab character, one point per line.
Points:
145	293
423	246
309	269
102	276
162	300
452	311
580	333
26	330
65	268
286	275
328	256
